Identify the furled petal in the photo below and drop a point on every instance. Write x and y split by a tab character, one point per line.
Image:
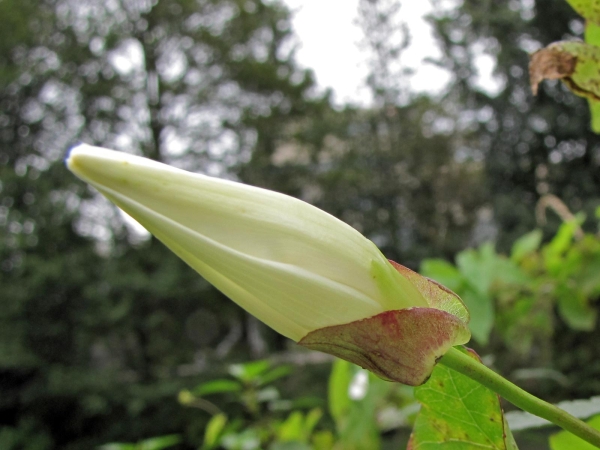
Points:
286	262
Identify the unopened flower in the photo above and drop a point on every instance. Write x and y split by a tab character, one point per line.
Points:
293	266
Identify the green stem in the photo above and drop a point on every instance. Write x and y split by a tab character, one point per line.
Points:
468	366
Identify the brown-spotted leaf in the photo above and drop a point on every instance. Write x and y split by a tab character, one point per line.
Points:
458	413
401	345
576	63
436	295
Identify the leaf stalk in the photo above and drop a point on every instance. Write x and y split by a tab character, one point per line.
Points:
462	363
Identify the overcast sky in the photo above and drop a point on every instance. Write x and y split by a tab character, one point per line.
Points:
329	38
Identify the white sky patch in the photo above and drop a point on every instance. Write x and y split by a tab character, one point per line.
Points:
128	57
329	44
329	40
485	80
428	77
357	390
485	62
137	232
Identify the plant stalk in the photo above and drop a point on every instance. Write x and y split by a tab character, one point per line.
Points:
475	370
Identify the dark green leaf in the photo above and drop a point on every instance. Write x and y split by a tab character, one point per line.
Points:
575	309
217	387
275	374
460	414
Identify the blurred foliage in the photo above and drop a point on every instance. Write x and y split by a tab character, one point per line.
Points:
248	411
265	420
530	146
526	302
157	443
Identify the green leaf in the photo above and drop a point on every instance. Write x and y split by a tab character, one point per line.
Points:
443	272
213	431
574	308
509	439
567	441
484	267
478	272
477	268
292	428
526	245
481	307
592	36
554	251
587	277
339	382
156	443
290	445
159	443
595	115
458	414
311	420
274	374
219	386
589	9
251	371
355	418
359	428
563	238
297	427
507	272
592	33
118	446
323	440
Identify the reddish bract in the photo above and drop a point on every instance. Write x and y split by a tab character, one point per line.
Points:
402	345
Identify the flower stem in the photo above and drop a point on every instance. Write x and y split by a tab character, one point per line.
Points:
475	370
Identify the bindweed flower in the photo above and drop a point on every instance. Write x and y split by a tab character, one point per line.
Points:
296	268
